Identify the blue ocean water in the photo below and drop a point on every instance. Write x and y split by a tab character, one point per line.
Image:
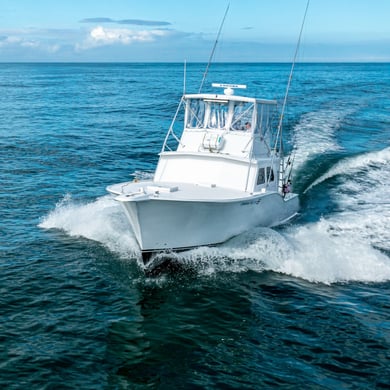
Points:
302	306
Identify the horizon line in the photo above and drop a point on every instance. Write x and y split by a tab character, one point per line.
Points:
203	62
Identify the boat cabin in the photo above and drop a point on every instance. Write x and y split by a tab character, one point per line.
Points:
226	141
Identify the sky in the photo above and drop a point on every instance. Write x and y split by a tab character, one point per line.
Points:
178	30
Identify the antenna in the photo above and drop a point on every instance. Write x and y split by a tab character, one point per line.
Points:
290	77
229	88
184	77
213	51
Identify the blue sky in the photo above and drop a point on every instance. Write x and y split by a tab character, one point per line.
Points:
177	30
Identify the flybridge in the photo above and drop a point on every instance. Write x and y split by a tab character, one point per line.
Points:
223	176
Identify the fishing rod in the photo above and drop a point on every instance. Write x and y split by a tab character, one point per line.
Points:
290	164
213	51
184	77
279	132
279	135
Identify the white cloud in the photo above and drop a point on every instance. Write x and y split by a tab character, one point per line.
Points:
28	39
17	41
100	36
10	40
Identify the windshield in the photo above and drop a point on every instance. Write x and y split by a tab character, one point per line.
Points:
242	116
214	114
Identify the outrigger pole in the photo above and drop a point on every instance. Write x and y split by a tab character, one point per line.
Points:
213	51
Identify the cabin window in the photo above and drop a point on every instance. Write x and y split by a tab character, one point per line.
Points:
265	175
270	174
217	117
261	176
195	114
242	116
264	118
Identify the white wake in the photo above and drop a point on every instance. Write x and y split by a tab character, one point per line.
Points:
349	245
314	252
352	165
102	221
352	244
315	134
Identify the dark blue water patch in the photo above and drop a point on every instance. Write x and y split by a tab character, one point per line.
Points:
204	345
77	310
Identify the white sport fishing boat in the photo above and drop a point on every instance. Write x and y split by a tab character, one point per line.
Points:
225	175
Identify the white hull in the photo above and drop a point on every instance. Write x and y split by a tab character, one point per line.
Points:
161	224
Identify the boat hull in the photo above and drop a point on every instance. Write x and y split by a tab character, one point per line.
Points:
160	224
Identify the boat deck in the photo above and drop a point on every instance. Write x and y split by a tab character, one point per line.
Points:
178	192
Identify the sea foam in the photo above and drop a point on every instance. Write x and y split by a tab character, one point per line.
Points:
314	134
328	251
348	245
101	220
351	165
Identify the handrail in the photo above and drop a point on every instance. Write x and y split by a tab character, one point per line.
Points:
170	130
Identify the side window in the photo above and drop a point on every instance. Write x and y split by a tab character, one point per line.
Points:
196	110
261	176
265	116
270	174
242	116
265	175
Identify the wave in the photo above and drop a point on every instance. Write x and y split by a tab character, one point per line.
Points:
354	164
328	251
314	134
142	175
102	221
362	196
315	252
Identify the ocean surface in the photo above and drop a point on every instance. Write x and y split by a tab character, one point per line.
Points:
306	305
